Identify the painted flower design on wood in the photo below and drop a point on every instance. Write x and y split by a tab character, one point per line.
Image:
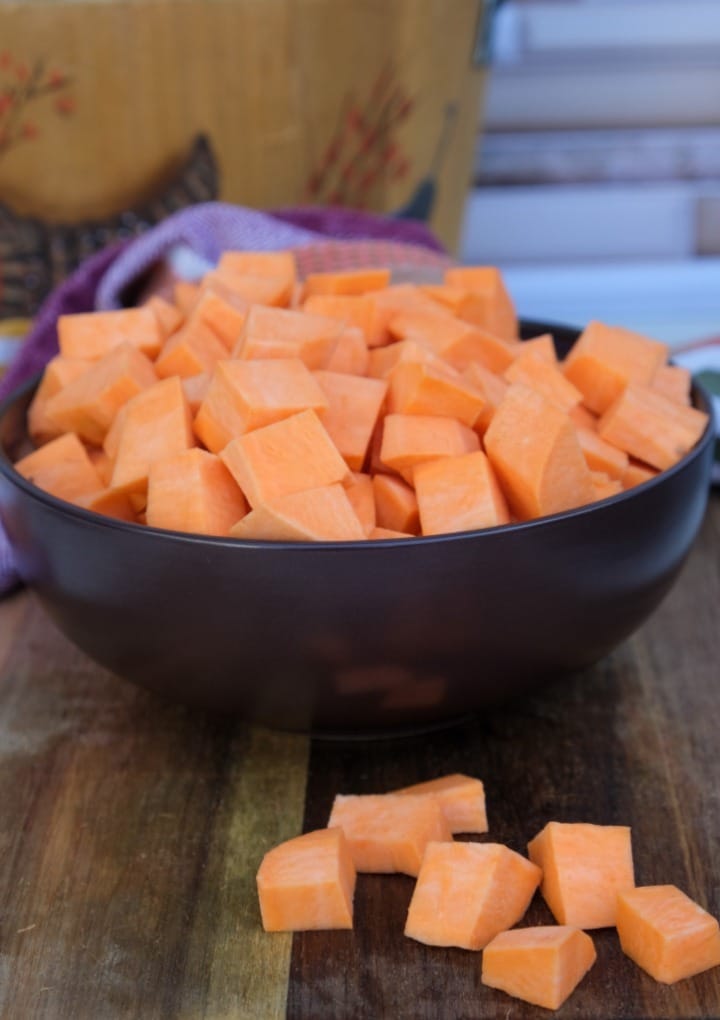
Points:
27	90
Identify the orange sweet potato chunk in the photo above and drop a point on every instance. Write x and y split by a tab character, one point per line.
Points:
674	382
245	289
61	467
462	799
601	456
651	427
322	514
417	388
637	473
584	868
352	281
396	505
604	486
350	354
382	360
666	933
535	452
195	348
279	265
487	283
193	491
459	343
59	371
541	965
411	439
359	490
307	883
492	387
387	832
353	408
467	893
92	335
383	534
168	316
542	346
542	375
109	503
459	494
287	456
312	338
224	319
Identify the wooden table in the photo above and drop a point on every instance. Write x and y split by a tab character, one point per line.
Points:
131	830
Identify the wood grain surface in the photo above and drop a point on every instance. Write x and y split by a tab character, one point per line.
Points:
131	830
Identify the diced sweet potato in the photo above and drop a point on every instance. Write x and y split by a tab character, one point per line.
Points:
193	491
462	799
459	494
487	283
323	514
601	456
61	467
412	439
674	382
359	490
92	335
544	376
195	348
433	389
311	338
352	281
396	505
353	408
59	371
350	354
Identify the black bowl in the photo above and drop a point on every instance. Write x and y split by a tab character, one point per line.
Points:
354	636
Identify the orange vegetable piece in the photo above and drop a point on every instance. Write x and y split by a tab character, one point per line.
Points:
287	456
195	388
492	387
168	316
674	382
193	491
601	456
307	883
467	893
651	427
456	341
488	284
381	534
417	388
350	354
411	439
542	375
606	358
382	360
102	462
224	319
352	281
279	265
110	504
462	799
312	338
353	408
396	505
195	348
59	371
323	514
541	965
584	868
388	832
542	346
88	404
61	467
462	303
604	486
534	449
583	418
185	294
637	473
360	492
459	494
399	297
666	933
156	424
249	288
352	310
92	335
246	395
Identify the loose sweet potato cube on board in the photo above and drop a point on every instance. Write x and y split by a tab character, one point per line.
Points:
88	404
388	832
467	893
323	514
312	338
459	494
584	868
462	799
61	467
606	358
59	371
287	456
535	452
411	439
651	427
246	395
353	408
487	283
156	424
433	389
541	965
396	505
307	883
349	282
92	335
666	933
195	348
193	491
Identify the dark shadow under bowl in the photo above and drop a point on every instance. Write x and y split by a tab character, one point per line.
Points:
354	637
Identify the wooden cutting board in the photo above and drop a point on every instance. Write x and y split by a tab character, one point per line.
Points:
131	831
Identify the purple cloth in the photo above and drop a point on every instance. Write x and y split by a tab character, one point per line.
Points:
208	229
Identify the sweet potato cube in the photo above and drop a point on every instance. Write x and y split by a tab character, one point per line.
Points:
584	868
352	281
459	343
467	893
352	310
307	883
433	389
462	303
88	404
360	492
487	283
195	388
350	354
92	335
637	473
605	359
383	534
459	494
666	933
312	338
601	456
582	418
396	505
651	427
245	289
399	297
156	424
354	405
287	456
195	348
411	439
389	833
382	360
224	319
185	294
543	346
61	467
279	265
492	387
674	382
541	965
193	491
108	503
535	452
323	514
168	316
462	799
247	395
542	375
59	371
604	486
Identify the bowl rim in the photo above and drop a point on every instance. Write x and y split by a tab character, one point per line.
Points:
89	517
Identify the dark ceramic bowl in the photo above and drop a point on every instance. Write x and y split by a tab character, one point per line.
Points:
354	636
